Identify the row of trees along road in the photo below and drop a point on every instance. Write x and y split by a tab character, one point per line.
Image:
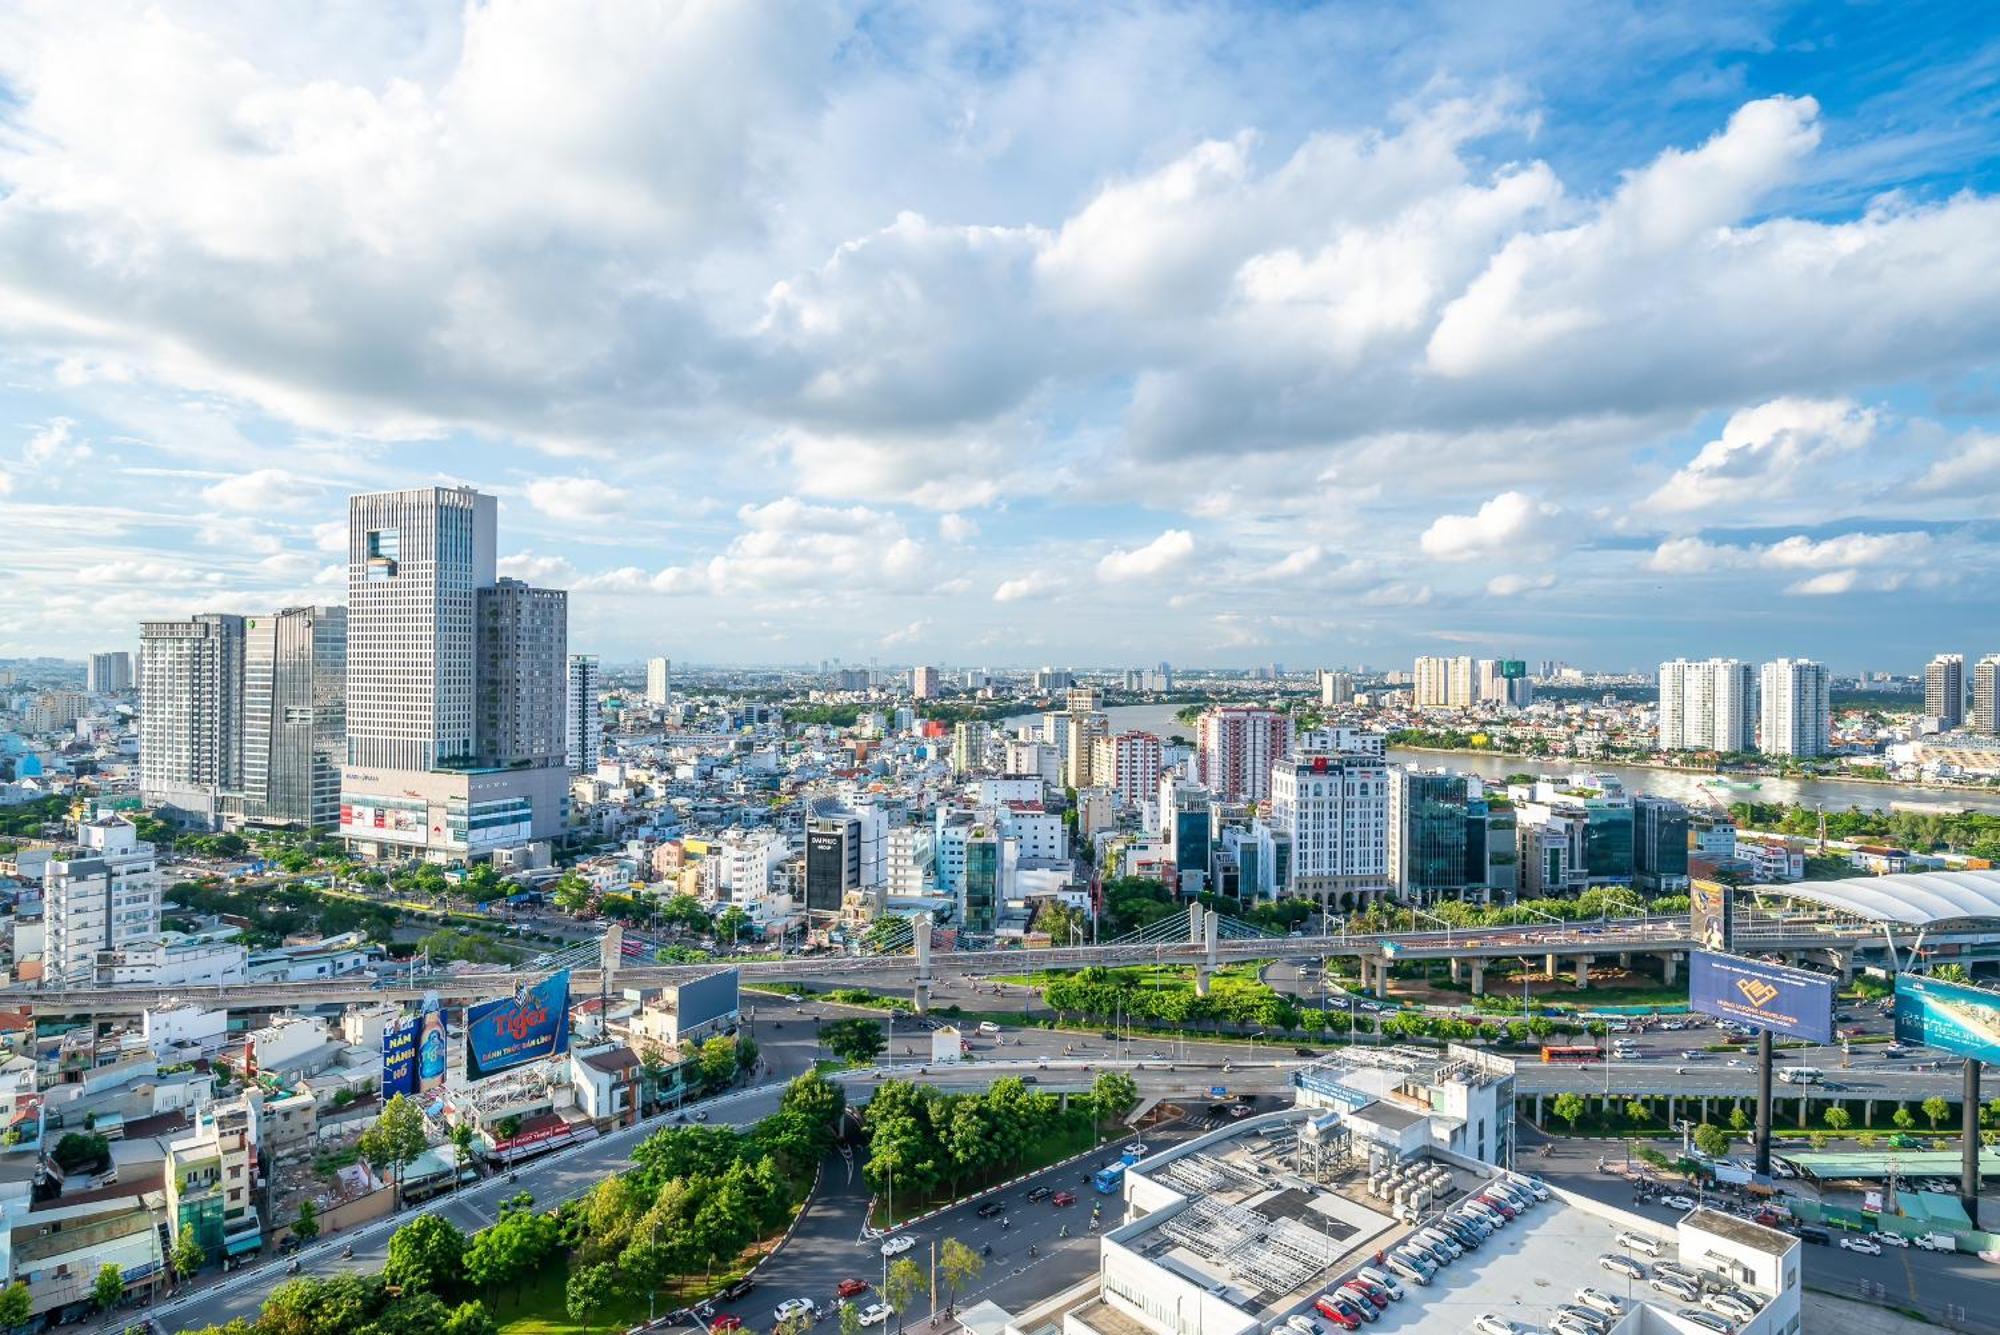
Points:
672	1227
926	1146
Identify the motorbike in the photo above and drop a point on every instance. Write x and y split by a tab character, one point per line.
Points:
347	1252
1032	1250
987	1250
293	1268
1063	1232
513	1177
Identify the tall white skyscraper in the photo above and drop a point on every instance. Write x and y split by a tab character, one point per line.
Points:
1336	810
456	682
102	895
416	561
1708	705
659	680
583	715
1986	695
109	672
294	715
1335	688
1796	714
191	713
1944	690
1444	683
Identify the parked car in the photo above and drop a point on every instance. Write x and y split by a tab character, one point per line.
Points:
1678	1270
1378	1286
1678	1203
1639	1242
1588	1316
1300	1324
1383	1280
1707	1319
1361	1294
1564	1324
724	1324
1491	1323
1729	1306
1676	1287
1338	1313
1866	1246
875	1314
1600	1300
737	1290
792	1307
1621	1265
899	1244
1411	1267
848	1288
1890	1240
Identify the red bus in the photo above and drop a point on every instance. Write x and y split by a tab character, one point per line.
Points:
1554	1054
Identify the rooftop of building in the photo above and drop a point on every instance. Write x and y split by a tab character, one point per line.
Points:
1742	1232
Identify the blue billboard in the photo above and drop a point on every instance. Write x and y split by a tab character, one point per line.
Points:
399	1056
431	1047
1951	1016
1765	996
526	1027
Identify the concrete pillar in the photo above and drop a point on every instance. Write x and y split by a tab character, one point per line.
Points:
1867	1112
1381	978
1538	1110
1673	1108
1205	972
1455	970
1195	912
1549	966
920	932
1583	963
1478	978
1669	966
1845	958
1704	1111
1802	1110
1625	959
610	950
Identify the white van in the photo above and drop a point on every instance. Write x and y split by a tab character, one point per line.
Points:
988	1028
1801	1075
1410	1268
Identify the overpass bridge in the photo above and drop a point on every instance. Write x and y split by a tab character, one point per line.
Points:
1202	939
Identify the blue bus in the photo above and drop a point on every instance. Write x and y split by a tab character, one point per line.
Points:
1108	1179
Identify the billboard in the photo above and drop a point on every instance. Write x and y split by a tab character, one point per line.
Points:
705	1000
399	1056
1951	1016
526	1027
1765	996
430	1047
1709	912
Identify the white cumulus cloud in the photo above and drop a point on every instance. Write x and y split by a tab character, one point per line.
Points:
1510	521
1168	552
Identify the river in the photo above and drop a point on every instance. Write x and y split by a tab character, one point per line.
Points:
1683	785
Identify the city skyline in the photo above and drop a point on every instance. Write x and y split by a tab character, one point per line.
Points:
887	345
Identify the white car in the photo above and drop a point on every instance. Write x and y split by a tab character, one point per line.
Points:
1621	1265
1866	1246
1730	1306
899	1244
1639	1242
1564	1324
1890	1240
876	1313
1678	1203
1600	1301
1383	1280
1675	1286
1490	1323
1302	1325
792	1307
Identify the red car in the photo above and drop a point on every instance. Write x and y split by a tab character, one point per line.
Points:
1063	1198
724	1324
1337	1313
847	1288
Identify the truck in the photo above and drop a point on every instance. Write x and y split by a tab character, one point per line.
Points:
1936	1242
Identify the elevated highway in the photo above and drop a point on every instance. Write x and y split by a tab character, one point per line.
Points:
1203	946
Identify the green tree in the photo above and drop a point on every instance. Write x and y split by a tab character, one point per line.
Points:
718	1062
1865	1139
1112	1095
730	923
461	1149
16	1305
109	1289
572	893
853	1040
1952	973
588	1290
470	1318
1569	1106
1739	1120
189	1256
1902	1118
1837	1118
1937	1109
426	1254
513	1248
1636	1111
901	1286
306	1227
957	1264
746	1052
850	1319
395	1140
81	1150
1711	1140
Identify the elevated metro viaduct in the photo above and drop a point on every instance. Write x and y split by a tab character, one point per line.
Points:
1887	922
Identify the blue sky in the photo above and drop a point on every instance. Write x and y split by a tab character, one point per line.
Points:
1015	333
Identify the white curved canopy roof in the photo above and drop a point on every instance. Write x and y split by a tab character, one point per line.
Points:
1915	899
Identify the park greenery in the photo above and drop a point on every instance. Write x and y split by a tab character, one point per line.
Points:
926	1146
673	1227
1976	833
